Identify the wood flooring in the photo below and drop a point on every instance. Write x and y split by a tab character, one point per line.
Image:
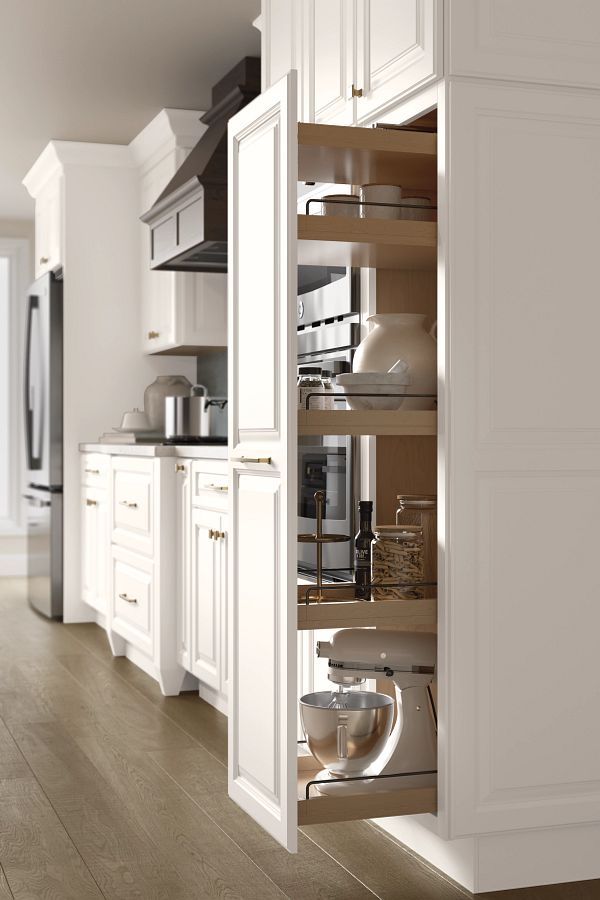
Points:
110	790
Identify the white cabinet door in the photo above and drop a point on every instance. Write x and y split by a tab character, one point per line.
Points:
48	227
94	548
551	42
205	596
523	491
224	649
263	461
184	553
398	50
328	67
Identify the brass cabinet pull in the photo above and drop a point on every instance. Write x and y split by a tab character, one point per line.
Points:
221	488
128	599
92	471
220	534
252	459
152	335
44	260
179	467
356	92
128	504
211	534
91	503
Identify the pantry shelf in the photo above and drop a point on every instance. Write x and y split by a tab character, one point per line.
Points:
405	615
368	421
345	155
371	243
320	809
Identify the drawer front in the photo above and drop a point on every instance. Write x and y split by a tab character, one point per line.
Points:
95	469
132	512
209	484
132	598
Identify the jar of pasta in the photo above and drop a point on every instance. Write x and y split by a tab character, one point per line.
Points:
397	559
421	509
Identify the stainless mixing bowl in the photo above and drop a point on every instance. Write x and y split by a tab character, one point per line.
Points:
346	740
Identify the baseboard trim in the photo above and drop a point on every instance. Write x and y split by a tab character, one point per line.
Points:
215	698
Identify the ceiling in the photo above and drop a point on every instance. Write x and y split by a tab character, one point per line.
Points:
99	70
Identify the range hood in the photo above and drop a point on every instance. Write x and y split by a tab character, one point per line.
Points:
188	222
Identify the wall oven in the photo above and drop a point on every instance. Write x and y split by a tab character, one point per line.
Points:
328	334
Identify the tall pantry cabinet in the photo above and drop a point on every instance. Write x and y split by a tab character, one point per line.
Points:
518	435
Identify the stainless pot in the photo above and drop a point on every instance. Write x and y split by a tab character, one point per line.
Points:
346	735
195	416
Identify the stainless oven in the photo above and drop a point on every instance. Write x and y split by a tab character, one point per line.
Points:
328	334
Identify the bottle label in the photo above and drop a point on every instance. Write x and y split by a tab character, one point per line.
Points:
363	556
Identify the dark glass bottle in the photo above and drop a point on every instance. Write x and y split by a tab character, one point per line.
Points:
362	550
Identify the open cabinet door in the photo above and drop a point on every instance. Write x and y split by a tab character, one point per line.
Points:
263	460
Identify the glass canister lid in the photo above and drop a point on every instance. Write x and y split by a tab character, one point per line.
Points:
417	501
404	533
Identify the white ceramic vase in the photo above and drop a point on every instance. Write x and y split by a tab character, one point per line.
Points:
154	397
395	336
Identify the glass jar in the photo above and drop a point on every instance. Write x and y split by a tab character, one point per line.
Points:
397	557
309	382
421	509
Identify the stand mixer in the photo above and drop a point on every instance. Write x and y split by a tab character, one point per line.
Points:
351	732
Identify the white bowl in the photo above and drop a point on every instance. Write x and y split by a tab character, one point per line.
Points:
374	383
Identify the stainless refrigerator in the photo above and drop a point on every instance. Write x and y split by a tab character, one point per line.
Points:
43	410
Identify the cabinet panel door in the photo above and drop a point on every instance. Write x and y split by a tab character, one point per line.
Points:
158	288
205	599
224	661
524	461
328	61
94	548
184	552
398	50
48	228
556	43
263	460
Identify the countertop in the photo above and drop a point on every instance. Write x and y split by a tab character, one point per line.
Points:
187	451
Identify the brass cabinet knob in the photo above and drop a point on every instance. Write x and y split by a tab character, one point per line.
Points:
91	503
152	335
44	260
356	92
92	471
179	467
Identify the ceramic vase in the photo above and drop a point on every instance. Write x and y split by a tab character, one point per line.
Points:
154	397
395	336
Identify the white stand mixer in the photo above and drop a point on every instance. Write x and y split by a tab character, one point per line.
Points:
356	654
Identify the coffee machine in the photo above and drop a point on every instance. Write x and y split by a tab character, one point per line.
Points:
352	733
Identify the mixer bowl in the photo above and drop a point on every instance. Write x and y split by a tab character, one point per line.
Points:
346	741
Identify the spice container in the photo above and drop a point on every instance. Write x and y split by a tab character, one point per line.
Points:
421	509
397	558
309	382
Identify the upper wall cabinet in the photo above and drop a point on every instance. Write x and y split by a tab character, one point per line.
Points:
328	61
526	41
398	51
45	183
355	58
181	311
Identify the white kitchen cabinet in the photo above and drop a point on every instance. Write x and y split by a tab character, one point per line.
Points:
355	58
517	457
49	208
183	469
95	538
398	51
556	43
181	311
328	61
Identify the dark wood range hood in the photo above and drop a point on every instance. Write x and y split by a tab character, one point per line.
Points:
188	222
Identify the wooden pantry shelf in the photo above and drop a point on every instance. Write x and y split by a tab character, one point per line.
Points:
369	421
371	243
321	809
405	615
346	155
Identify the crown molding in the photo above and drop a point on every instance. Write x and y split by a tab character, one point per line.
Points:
170	130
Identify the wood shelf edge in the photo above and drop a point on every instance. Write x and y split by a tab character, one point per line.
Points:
407	615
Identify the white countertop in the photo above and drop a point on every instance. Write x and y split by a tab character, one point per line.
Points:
188	451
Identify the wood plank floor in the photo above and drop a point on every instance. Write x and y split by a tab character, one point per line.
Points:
110	790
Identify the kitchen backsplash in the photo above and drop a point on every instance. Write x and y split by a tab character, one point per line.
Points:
211	371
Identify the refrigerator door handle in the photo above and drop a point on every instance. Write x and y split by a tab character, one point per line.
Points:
33	462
